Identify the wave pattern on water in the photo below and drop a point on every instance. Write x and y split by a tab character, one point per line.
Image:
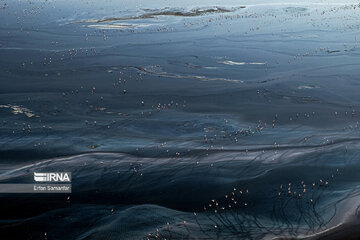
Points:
240	195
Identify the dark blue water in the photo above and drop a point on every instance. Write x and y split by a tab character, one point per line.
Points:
207	120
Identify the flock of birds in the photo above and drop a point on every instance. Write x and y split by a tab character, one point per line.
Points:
296	210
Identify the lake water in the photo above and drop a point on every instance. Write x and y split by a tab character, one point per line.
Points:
181	120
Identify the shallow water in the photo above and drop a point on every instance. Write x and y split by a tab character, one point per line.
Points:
214	120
